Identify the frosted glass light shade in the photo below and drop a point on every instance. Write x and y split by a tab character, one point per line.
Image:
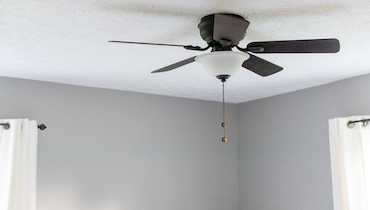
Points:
222	62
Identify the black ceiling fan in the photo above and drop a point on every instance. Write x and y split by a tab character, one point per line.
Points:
223	31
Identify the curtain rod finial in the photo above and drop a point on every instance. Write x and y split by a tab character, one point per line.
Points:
42	127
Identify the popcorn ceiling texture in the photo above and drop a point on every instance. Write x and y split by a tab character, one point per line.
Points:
66	42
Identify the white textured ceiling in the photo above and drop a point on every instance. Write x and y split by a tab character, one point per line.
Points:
65	41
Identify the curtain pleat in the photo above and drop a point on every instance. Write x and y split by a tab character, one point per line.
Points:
18	157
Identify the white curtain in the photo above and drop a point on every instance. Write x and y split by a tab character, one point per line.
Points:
18	149
350	163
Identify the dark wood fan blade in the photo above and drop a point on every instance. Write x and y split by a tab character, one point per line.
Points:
295	46
261	66
229	27
188	47
171	45
175	65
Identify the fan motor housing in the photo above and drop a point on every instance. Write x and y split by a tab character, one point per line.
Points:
222	31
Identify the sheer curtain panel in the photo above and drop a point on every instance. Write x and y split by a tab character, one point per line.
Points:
18	155
350	163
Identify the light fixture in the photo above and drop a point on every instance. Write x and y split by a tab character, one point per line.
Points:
222	64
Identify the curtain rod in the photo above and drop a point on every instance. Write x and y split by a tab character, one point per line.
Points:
7	126
364	122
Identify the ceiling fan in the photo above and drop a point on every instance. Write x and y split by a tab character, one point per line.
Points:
224	31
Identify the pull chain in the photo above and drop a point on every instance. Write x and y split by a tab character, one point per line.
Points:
224	139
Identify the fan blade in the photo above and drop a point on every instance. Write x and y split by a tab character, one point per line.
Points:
175	65
229	27
171	45
188	47
295	46
261	66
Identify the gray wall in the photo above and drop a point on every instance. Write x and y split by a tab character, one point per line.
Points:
283	146
106	149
